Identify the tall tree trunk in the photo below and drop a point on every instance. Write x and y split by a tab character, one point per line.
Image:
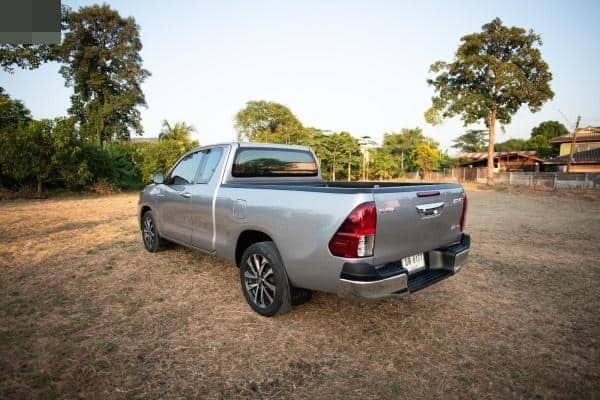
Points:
349	172
333	168
492	138
39	187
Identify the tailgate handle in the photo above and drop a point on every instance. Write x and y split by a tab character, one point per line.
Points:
432	209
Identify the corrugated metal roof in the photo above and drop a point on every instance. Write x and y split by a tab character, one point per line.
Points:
587	134
484	155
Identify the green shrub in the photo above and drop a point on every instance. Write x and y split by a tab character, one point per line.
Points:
159	157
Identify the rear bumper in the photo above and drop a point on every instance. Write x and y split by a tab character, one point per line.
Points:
370	281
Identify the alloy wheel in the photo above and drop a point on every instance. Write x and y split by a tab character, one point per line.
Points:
259	280
148	232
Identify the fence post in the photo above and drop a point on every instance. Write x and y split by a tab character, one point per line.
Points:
555	181
530	179
585	180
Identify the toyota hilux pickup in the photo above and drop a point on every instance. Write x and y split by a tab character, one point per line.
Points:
266	209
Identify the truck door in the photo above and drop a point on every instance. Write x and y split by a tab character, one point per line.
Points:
203	193
175	199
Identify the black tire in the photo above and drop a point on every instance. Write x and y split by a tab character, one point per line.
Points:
271	295
152	240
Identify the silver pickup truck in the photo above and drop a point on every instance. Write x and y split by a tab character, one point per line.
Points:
266	209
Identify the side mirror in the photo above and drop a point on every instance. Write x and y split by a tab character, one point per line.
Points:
158	178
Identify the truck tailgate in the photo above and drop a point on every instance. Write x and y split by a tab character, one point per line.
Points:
416	221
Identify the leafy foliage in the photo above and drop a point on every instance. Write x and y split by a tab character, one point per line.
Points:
159	157
472	141
266	121
46	151
539	140
101	56
494	73
383	165
179	132
100	53
401	145
31	56
541	135
426	158
336	152
512	145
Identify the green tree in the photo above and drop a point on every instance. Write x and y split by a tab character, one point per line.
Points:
31	56
100	53
338	154
401	146
494	73
12	112
426	158
42	152
383	165
266	121
512	145
179	132
541	135
101	56
158	157
472	141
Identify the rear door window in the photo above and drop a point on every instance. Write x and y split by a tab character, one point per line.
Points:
185	172
263	162
212	157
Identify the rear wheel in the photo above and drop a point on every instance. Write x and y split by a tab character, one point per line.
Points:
152	240
264	281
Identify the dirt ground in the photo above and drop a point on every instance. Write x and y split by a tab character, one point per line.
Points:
86	312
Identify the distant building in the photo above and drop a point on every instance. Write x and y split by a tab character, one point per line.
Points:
586	154
583	161
503	160
587	138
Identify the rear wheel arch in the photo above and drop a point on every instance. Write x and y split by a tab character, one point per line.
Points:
145	209
246	239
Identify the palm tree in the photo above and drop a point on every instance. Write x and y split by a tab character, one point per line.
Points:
180	132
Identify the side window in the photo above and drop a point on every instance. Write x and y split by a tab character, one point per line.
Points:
211	160
185	171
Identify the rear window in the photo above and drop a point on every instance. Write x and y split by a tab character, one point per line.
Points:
255	162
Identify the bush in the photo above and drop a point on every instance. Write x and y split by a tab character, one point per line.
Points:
51	154
159	157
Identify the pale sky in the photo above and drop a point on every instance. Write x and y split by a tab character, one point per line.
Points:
358	66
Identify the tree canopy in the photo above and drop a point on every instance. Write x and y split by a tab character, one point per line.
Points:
179	132
401	146
100	57
12	112
493	74
472	141
266	121
539	140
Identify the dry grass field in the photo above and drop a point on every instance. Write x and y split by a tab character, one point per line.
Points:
86	312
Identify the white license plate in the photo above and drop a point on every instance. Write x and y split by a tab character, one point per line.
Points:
413	263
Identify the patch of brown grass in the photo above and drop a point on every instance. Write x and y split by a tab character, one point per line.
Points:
86	312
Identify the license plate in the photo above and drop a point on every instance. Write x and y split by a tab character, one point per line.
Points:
413	263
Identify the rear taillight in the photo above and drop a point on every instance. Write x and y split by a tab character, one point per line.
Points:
463	214
356	237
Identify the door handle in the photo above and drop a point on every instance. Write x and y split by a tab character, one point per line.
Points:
432	209
186	195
